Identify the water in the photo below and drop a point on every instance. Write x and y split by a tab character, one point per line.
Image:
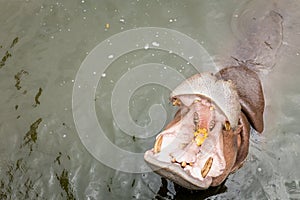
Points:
42	45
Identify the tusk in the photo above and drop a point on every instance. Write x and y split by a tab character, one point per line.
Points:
207	167
227	126
176	102
157	144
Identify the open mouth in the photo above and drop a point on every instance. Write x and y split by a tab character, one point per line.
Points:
193	144
190	151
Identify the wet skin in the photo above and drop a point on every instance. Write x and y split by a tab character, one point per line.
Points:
209	136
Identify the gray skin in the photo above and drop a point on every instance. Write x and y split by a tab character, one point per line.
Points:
234	142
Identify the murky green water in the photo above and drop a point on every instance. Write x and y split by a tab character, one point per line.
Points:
42	45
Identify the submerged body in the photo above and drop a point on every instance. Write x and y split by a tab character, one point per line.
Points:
209	136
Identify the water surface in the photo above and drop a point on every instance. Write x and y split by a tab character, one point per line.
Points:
42	45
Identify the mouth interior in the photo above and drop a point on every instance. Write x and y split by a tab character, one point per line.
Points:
193	141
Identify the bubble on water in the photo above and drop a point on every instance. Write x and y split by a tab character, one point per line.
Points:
236	16
155	44
165	67
64	135
72	80
146	46
52	37
191	57
69	29
170	51
111	56
84	17
94	73
122	20
82	1
259	169
103	75
297	54
172	20
84	10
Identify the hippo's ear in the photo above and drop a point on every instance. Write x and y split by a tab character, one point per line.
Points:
250	93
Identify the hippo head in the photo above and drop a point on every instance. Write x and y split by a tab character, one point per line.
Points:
209	136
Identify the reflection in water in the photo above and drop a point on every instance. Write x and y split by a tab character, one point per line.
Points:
63	179
42	44
7	53
168	190
18	78
31	136
37	96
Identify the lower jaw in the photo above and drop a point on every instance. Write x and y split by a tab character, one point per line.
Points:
176	174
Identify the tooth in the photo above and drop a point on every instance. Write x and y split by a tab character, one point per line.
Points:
212	124
211	108
183	164
196	121
176	102
157	144
227	126
206	167
173	160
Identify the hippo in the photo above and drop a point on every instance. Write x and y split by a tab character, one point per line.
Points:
208	139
